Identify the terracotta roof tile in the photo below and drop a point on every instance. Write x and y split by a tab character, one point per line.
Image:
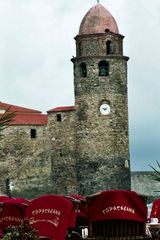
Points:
30	119
62	109
24	116
14	108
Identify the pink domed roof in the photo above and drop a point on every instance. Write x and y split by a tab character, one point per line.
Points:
97	20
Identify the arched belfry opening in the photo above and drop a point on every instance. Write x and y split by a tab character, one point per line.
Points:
83	69
103	68
109	47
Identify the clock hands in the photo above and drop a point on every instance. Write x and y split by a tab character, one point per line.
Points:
105	109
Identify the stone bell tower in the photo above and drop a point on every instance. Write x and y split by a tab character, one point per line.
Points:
100	78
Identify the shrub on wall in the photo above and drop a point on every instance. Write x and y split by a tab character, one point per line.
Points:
22	232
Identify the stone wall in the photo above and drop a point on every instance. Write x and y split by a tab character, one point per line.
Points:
61	138
47	164
24	159
142	182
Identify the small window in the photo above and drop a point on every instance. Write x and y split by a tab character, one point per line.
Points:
83	70
103	68
61	154
109	47
33	133
59	118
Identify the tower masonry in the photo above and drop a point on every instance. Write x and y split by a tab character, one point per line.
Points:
100	78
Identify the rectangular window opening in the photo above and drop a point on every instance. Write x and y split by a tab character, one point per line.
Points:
59	117
33	133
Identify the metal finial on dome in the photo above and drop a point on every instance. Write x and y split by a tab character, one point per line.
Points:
98	1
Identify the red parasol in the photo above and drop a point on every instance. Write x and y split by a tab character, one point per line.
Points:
51	215
117	204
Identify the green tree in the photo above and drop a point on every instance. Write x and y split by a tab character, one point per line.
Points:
5	119
22	232
156	173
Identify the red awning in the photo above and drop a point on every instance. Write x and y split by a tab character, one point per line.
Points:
13	212
82	206
4	198
116	204
52	215
155	212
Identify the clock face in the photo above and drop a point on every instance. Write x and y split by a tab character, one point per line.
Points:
105	109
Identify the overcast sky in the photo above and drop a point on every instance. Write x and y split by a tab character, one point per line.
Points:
37	43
